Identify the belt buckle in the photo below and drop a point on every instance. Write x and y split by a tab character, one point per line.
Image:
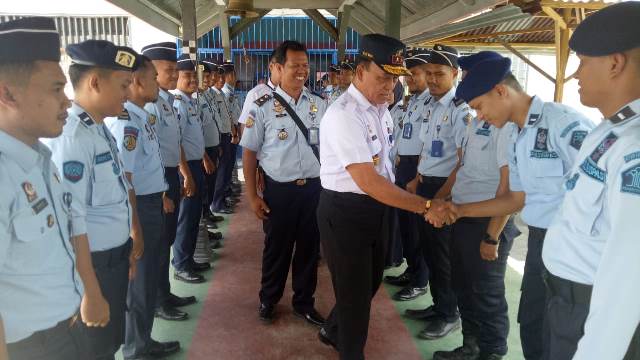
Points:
301	182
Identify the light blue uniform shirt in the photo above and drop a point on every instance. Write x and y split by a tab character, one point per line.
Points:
443	120
139	148
233	103
39	284
545	150
87	155
594	237
289	158
223	110
485	150
190	126
408	125
167	128
208	119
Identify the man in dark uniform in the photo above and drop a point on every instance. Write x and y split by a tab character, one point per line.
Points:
357	180
282	132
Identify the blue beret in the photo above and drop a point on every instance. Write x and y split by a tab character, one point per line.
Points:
613	29
161	51
103	54
29	39
185	63
483	77
417	56
444	55
467	62
386	52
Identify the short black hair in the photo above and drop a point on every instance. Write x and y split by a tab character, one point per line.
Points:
511	81
16	73
77	72
365	62
144	62
280	53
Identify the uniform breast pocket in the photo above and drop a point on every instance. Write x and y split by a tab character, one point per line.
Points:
106	187
375	146
29	226
547	175
280	132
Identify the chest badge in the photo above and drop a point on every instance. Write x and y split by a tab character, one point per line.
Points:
283	134
152	119
50	220
277	106
376	160
250	122
28	189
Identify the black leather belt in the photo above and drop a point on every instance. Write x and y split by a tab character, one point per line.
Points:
297	182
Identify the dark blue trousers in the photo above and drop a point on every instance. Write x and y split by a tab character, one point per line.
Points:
225	167
168	233
143	290
479	284
189	221
210	179
533	297
435	244
291	231
408	226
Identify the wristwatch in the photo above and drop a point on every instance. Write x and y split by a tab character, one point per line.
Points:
489	240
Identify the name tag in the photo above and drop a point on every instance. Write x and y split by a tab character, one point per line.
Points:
436	148
407	130
314	136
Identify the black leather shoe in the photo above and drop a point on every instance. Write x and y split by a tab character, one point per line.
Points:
266	313
201	266
215	235
485	356
161	349
212	226
177	301
438	328
393	265
400	280
225	211
409	293
215	244
215	218
170	313
188	277
468	351
312	317
421	314
324	338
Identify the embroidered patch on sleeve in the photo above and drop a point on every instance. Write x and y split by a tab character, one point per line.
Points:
103	158
631	180
73	171
130	138
577	137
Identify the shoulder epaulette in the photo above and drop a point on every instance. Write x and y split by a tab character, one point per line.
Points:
177	97
124	115
428	100
263	99
458	101
86	119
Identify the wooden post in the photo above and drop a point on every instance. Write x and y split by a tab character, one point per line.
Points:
344	17
225	34
392	18
562	35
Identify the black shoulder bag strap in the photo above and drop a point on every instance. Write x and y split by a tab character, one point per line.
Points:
298	122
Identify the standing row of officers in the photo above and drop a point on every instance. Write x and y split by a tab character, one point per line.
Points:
127	173
453	162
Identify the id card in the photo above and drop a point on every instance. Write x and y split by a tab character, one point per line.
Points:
436	148
314	136
407	130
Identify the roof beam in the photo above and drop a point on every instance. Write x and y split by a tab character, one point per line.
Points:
555	16
491	45
244	23
595	5
319	19
526	60
497	34
427	20
346	3
164	22
368	18
296	4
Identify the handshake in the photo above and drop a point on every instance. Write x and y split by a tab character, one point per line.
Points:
441	213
